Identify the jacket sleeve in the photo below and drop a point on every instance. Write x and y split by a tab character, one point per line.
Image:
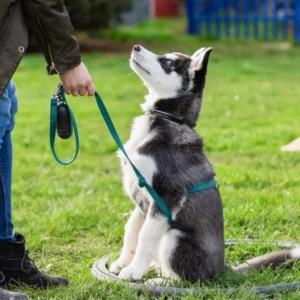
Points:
54	32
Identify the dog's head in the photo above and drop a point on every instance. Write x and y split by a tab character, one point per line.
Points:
175	81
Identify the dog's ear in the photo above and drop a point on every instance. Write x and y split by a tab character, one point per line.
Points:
200	59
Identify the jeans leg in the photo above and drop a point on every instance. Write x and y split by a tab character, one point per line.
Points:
6	226
8	109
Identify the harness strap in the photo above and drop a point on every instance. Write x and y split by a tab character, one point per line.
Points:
203	186
141	180
165	116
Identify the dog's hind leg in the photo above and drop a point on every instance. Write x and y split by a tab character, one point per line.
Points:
195	261
132	230
167	247
164	270
151	233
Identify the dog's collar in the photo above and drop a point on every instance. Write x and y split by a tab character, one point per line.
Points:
166	116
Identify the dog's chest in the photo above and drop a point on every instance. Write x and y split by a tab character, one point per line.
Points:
140	134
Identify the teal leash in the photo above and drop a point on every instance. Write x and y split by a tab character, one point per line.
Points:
141	179
58	98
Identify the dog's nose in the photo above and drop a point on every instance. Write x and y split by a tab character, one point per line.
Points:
137	48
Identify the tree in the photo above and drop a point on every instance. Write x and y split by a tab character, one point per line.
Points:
96	14
90	15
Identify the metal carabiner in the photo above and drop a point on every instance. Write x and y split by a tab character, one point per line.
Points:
57	94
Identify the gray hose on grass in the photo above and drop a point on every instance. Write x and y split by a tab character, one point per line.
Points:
100	271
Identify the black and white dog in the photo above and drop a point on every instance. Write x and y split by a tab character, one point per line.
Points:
169	153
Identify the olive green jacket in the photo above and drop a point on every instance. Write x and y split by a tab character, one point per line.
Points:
53	30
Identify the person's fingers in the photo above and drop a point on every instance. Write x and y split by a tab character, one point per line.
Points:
77	81
90	89
82	91
67	90
74	92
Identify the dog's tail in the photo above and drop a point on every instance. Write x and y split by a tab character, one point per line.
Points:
272	260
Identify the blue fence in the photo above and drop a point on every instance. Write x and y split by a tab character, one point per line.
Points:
245	19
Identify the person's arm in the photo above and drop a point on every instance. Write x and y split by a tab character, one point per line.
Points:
54	32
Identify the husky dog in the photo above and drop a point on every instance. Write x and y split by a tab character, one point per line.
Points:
168	152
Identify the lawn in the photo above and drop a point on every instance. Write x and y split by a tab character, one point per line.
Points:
73	215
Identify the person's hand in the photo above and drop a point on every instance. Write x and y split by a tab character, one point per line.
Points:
78	81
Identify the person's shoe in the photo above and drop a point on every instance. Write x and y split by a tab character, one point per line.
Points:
6	295
17	267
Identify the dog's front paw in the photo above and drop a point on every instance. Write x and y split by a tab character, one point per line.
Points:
116	267
131	272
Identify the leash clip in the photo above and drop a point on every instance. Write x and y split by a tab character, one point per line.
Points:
58	92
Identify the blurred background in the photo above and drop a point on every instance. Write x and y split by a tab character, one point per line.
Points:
133	20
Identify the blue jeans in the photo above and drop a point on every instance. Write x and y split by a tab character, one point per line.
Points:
8	109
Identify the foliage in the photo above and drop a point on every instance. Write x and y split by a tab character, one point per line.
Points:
95	14
90	16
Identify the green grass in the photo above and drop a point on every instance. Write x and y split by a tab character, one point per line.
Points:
158	30
170	30
73	215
